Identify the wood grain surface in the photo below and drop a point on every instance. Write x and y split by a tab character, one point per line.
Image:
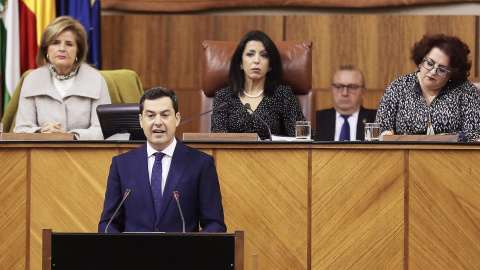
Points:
302	206
67	192
444	210
265	193
379	45
14	216
201	5
357	209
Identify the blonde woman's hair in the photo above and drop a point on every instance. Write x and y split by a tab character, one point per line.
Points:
54	29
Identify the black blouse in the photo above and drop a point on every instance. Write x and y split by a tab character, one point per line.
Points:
279	111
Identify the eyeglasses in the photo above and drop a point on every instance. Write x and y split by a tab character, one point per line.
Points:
429	65
351	88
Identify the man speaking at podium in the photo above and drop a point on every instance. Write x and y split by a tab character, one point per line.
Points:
141	183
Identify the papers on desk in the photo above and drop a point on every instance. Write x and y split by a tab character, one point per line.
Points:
288	139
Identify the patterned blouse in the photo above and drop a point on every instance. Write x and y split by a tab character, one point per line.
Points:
279	111
455	110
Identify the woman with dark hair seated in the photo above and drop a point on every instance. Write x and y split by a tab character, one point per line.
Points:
255	75
438	98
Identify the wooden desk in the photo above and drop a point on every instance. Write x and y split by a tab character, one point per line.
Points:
302	206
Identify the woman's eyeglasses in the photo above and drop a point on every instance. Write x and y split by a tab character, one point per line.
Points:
429	65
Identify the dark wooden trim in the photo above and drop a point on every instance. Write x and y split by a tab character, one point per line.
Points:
46	249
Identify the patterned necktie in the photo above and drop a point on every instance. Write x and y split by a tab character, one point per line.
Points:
345	132
156	182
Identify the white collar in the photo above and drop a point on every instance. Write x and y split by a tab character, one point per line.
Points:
167	151
355	114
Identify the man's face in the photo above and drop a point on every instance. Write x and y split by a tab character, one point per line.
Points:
159	122
346	100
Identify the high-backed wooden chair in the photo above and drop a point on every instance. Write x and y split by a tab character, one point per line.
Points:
124	86
296	72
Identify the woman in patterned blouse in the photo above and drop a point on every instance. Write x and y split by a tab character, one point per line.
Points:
437	99
255	75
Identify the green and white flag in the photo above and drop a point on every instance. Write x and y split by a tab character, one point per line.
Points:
9	49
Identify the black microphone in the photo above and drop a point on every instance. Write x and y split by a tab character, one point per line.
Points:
223	104
176	195
125	195
248	107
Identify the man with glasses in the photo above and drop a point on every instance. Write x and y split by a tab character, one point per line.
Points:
345	121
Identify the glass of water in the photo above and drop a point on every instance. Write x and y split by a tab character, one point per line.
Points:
303	130
372	131
1	130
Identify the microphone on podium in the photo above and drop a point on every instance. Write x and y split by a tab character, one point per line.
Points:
223	104
176	195
248	107
125	195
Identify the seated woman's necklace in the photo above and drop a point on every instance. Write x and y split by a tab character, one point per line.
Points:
62	77
253	96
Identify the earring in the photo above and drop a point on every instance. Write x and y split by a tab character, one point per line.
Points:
76	59
269	69
241	66
47	56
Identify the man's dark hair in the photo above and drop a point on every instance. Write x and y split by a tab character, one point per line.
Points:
159	92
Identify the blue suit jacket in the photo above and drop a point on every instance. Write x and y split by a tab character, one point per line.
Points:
192	173
326	123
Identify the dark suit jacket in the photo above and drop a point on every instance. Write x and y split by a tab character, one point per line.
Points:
192	173
325	123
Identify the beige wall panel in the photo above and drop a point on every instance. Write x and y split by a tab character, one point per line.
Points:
265	193
444	210
13	196
67	198
377	44
357	209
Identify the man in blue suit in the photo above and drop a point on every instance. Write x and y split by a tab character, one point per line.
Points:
151	206
348	91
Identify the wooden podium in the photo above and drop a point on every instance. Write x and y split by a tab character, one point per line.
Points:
142	250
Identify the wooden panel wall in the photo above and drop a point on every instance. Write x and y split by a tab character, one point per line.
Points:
358	218
13	204
302	206
199	5
444	217
277	207
377	44
165	50
69	199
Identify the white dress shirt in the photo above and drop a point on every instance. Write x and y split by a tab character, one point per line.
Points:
352	121
166	161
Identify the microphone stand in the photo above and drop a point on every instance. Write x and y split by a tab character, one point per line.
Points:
195	117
